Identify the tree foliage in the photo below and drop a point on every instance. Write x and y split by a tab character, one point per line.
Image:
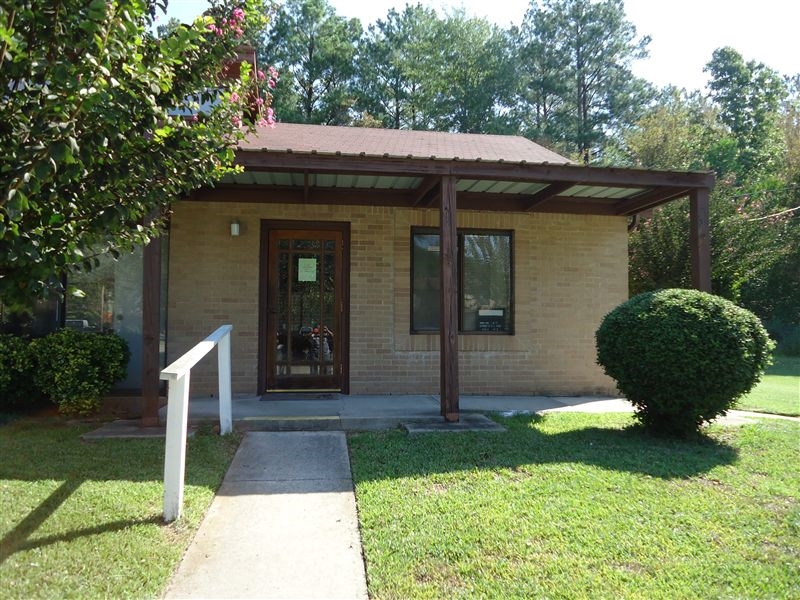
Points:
676	132
564	78
411	70
755	218
748	95
578	85
474	76
94	128
393	81
314	48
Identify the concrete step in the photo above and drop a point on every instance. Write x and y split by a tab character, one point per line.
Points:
286	423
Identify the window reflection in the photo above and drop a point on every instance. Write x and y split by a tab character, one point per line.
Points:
113	301
485	274
426	282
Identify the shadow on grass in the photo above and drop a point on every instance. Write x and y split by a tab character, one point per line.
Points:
18	540
627	449
51	451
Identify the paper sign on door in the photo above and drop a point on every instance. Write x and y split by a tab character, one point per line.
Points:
306	269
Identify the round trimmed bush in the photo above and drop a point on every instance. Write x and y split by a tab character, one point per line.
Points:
682	357
76	369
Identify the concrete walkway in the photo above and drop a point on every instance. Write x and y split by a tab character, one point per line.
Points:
283	524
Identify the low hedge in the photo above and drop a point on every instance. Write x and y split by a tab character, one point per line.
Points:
71	368
76	369
17	389
682	357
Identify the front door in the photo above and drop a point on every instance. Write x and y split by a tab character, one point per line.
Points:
305	335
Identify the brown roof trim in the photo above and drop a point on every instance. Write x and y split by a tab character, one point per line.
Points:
266	160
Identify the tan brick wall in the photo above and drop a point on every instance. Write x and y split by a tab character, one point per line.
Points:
569	272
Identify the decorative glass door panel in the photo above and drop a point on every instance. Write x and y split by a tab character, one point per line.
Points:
304	308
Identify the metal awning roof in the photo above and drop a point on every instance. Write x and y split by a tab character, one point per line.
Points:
315	164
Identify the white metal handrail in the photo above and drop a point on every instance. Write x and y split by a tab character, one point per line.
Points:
177	376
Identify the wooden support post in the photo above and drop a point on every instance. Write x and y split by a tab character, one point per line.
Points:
151	332
700	241
448	354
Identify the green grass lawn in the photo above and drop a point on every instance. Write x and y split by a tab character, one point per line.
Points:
779	389
83	520
581	506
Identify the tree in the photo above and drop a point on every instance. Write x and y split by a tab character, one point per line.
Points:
314	48
474	76
754	222
418	71
580	54
95	146
394	70
773	291
543	89
677	132
748	95
754	248
789	122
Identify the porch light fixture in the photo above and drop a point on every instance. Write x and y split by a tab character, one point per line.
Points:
235	228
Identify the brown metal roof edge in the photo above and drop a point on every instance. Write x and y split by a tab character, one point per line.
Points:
523	162
264	160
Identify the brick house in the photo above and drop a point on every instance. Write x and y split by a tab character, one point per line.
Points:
371	261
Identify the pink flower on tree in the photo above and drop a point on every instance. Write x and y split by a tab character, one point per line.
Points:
234	97
269	121
238	14
236	120
273	77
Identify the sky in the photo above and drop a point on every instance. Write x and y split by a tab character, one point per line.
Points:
683	33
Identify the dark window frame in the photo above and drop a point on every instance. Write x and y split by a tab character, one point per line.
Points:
460	233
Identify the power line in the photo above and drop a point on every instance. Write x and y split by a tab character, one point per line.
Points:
778	214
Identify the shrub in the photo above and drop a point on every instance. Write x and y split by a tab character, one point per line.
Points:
75	369
17	389
682	357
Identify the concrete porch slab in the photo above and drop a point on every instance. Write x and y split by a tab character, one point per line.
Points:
467	422
128	429
290	423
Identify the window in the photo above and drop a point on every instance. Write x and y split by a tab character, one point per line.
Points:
113	300
484	281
